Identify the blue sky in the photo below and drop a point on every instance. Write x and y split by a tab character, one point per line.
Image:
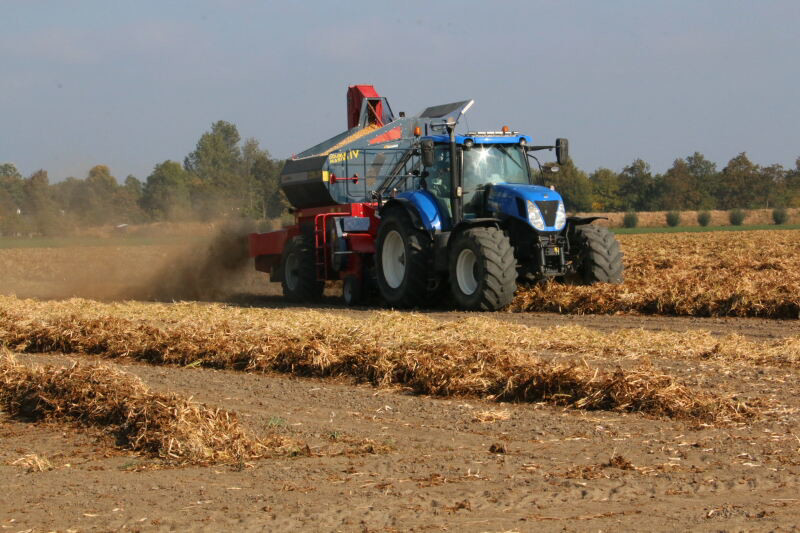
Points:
130	84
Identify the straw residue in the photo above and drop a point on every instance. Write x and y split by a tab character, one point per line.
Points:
480	358
746	274
167	426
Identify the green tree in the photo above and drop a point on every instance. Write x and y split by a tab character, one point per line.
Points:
9	169
573	185
216	152
222	182
771	188
128	200
38	207
605	190
133	187
688	183
704	178
739	184
793	186
165	195
266	172
11	184
678	188
96	201
253	156
638	188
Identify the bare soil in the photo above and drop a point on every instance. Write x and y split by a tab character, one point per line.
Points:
452	464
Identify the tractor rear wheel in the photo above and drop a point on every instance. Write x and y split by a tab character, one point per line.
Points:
483	270
298	271
402	256
599	259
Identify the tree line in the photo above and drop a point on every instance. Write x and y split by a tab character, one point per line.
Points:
226	176
223	176
691	183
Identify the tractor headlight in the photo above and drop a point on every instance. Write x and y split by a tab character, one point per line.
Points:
535	216
561	216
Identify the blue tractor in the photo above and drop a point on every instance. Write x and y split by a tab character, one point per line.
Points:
406	205
478	223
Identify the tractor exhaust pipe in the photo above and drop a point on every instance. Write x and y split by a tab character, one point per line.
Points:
456	191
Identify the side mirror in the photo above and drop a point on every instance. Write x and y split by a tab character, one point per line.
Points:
426	147
562	151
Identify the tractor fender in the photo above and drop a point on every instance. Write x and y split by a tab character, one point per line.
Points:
475	223
580	221
425	210
406	205
574	222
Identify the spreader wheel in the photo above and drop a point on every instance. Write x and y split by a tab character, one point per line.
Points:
299	276
352	291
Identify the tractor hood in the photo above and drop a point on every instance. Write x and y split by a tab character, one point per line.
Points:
539	206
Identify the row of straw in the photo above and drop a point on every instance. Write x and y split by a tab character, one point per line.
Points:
168	426
744	273
483	358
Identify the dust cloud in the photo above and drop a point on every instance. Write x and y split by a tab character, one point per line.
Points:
211	269
210	265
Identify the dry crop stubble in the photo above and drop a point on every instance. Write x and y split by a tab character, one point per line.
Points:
745	274
479	358
168	426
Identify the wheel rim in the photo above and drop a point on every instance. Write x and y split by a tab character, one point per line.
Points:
465	271
393	259
291	271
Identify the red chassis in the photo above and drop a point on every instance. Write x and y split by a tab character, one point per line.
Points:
267	248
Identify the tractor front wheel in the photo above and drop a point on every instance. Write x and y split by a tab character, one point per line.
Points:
599	259
402	254
298	271
483	270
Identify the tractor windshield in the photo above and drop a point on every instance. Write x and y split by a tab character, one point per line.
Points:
486	164
482	165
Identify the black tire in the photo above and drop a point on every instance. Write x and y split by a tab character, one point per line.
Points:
486	254
599	259
352	291
298	271
406	286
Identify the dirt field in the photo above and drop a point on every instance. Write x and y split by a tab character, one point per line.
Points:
560	468
462	462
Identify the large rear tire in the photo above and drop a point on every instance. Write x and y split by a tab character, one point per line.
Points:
402	257
298	271
483	270
599	259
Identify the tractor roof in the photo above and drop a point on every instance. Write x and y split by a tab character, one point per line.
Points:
481	137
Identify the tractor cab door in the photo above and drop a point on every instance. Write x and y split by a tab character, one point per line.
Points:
439	180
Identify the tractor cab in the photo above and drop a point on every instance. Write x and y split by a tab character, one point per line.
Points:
490	161
492	178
